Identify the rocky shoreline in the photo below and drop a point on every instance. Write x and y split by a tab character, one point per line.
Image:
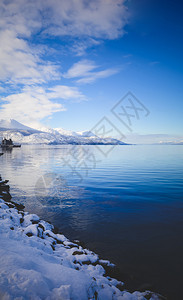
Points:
51	266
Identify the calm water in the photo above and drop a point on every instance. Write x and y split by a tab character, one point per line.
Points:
127	207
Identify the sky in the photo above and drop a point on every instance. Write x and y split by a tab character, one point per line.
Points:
70	63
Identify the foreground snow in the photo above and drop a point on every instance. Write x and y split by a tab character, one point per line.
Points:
36	263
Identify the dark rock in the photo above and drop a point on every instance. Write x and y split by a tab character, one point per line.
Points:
40	226
77	253
95	263
6	197
52	247
96	295
29	234
35	222
19	206
77	262
10	205
86	262
59	242
120	286
55	229
73	246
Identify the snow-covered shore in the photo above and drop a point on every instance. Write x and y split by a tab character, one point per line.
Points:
36	263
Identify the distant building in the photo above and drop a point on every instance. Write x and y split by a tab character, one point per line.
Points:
6	142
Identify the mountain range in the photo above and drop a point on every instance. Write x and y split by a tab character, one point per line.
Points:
22	134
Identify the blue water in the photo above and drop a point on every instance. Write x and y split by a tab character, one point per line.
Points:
126	206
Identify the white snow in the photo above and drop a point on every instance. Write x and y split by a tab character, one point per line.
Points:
63	131
25	135
13	124
36	263
86	133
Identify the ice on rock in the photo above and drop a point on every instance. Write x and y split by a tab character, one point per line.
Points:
106	262
28	219
49	233
61	238
31	230
46	225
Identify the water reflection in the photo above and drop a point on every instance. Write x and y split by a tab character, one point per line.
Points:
30	171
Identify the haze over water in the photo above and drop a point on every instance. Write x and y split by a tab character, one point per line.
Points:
127	207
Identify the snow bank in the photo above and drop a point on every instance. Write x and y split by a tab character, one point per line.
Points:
36	263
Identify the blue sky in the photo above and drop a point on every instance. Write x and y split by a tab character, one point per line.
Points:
67	63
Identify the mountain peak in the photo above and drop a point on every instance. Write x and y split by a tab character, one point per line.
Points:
13	124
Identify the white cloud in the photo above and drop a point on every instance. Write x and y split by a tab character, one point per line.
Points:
65	92
34	104
97	75
94	18
24	25
2	89
81	69
21	19
21	16
28	107
79	48
85	71
21	64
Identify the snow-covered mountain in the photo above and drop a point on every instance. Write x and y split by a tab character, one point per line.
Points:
86	134
14	125
22	134
66	132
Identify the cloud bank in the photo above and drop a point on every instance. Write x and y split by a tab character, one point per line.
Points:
26	72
